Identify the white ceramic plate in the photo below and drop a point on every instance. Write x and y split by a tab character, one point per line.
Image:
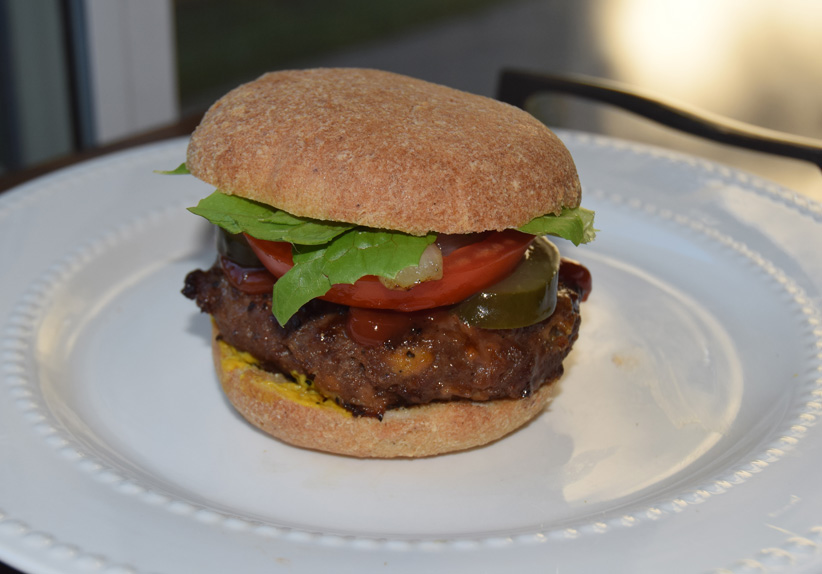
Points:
684	439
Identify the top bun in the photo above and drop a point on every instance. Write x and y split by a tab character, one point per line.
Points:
382	150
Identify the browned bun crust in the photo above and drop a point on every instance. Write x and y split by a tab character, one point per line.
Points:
382	150
300	417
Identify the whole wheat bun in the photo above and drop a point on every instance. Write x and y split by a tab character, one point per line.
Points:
382	150
300	417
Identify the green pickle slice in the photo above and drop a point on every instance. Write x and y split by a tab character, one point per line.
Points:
526	297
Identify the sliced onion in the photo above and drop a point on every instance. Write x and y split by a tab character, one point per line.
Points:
429	269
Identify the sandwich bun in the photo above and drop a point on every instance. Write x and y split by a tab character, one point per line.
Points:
298	415
382	150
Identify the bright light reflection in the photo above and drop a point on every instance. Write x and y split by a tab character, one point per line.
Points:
758	61
676	45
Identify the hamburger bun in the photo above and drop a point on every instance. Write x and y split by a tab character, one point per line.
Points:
382	150
295	414
385	151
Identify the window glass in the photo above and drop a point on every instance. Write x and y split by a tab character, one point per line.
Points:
36	99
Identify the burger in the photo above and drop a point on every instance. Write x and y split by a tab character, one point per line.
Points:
383	286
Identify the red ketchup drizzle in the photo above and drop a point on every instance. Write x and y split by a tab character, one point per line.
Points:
573	273
253	280
373	327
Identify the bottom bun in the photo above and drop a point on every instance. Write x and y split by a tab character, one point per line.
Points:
295	413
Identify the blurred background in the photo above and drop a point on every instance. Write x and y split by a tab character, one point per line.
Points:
78	75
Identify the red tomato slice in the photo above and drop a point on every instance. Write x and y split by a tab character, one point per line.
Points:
465	271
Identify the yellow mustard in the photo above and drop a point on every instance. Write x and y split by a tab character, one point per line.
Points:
299	390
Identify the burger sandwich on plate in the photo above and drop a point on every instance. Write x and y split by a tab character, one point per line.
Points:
383	287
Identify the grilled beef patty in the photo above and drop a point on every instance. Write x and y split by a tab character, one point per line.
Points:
440	358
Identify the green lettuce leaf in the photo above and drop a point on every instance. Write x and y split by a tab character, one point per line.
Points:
574	224
239	215
181	169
